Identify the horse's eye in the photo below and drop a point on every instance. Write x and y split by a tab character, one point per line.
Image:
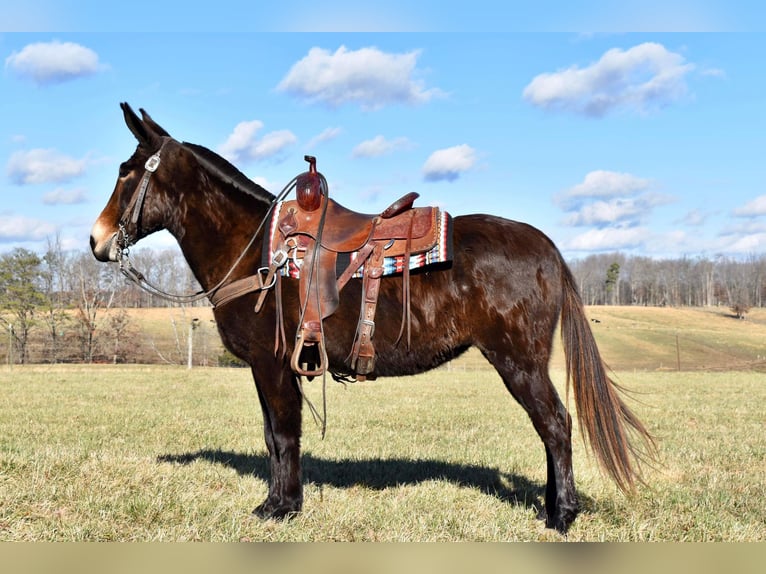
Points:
124	169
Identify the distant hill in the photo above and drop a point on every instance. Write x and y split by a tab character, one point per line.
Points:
663	338
659	338
630	338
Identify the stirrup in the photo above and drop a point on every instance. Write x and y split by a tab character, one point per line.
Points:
301	344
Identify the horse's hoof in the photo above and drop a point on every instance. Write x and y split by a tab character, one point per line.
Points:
562	520
268	510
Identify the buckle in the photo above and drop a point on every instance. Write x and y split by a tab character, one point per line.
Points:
279	257
371	325
271	277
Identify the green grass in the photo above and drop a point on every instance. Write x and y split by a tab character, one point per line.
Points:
163	453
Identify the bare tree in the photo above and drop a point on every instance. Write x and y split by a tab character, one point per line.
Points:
54	314
95	288
122	334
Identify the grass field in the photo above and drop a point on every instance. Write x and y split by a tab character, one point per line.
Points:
666	338
164	453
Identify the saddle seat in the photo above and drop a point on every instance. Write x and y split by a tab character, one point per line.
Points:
338	228
342	230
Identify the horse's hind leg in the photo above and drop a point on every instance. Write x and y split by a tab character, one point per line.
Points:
533	389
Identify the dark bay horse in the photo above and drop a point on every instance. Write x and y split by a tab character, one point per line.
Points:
504	293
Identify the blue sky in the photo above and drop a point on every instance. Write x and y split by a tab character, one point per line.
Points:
646	143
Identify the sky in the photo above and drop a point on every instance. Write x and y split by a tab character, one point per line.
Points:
648	143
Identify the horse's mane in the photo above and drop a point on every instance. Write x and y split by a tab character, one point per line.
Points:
227	173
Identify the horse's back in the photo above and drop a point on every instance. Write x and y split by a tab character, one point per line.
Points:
503	284
511	238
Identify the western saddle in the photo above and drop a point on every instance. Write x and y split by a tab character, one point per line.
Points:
307	236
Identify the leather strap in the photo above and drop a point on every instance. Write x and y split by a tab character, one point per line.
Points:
251	283
406	316
363	351
235	289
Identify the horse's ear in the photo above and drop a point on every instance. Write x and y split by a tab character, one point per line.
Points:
137	127
154	125
143	131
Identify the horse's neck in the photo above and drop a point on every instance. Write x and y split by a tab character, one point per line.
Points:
215	232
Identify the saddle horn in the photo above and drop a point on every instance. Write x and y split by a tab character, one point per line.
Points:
308	186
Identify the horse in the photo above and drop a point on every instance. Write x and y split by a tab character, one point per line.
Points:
504	292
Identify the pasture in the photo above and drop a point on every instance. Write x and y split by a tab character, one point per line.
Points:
161	453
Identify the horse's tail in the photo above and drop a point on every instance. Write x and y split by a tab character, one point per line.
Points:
606	422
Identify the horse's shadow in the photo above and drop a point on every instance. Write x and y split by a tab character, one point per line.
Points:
379	474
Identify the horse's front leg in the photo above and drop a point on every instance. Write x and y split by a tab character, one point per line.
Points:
281	405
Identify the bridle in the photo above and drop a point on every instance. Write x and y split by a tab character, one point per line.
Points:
136	204
132	214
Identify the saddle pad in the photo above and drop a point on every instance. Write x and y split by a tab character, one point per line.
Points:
441	252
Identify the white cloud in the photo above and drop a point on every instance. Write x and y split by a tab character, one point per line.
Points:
610	238
449	163
602	183
367	76
742	236
43	166
605	212
272	143
754	208
243	144
640	78
378	146
240	139
64	196
741	227
641	240
53	62
19	228
631	210
607	198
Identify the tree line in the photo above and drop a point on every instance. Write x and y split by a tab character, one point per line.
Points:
619	279
73	308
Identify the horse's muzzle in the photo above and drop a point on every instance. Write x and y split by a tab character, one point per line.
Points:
104	245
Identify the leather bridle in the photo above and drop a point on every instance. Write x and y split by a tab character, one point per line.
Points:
132	214
136	204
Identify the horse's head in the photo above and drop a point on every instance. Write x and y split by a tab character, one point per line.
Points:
139	204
